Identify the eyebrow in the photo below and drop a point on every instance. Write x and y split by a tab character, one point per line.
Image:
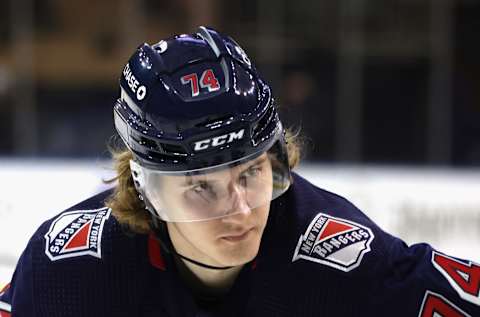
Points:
190	181
258	161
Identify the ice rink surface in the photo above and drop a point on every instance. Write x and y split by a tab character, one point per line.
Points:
438	206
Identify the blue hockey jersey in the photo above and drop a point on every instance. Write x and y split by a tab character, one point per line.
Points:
319	256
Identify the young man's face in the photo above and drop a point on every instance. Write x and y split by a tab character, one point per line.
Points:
241	194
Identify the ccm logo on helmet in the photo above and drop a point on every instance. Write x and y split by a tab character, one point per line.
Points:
133	83
218	140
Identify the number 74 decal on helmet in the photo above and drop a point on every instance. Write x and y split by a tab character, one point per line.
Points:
207	80
463	276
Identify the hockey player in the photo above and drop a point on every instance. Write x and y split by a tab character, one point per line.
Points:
207	219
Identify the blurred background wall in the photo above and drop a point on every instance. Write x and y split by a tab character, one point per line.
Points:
385	93
366	80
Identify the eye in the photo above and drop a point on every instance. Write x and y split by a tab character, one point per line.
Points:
250	174
200	187
202	192
253	171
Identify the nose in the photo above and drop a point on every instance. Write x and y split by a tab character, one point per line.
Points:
239	201
239	196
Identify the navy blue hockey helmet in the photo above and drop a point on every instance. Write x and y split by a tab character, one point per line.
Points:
191	105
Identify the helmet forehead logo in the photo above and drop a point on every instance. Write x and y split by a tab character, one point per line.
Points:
140	91
218	140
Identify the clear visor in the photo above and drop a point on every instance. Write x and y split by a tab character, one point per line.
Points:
213	193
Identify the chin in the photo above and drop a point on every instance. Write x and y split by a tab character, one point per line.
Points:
239	254
238	259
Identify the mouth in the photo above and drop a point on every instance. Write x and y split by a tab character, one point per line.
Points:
237	236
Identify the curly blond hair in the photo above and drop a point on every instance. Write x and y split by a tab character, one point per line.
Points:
130	211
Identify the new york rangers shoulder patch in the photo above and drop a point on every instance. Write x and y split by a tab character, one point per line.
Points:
335	242
76	233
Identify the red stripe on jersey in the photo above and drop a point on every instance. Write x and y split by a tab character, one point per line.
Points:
155	253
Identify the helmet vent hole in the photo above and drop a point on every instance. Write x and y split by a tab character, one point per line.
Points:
264	122
172	148
149	143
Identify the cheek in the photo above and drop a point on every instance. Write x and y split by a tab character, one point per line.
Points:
199	234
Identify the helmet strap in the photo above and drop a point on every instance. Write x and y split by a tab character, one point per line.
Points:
159	228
